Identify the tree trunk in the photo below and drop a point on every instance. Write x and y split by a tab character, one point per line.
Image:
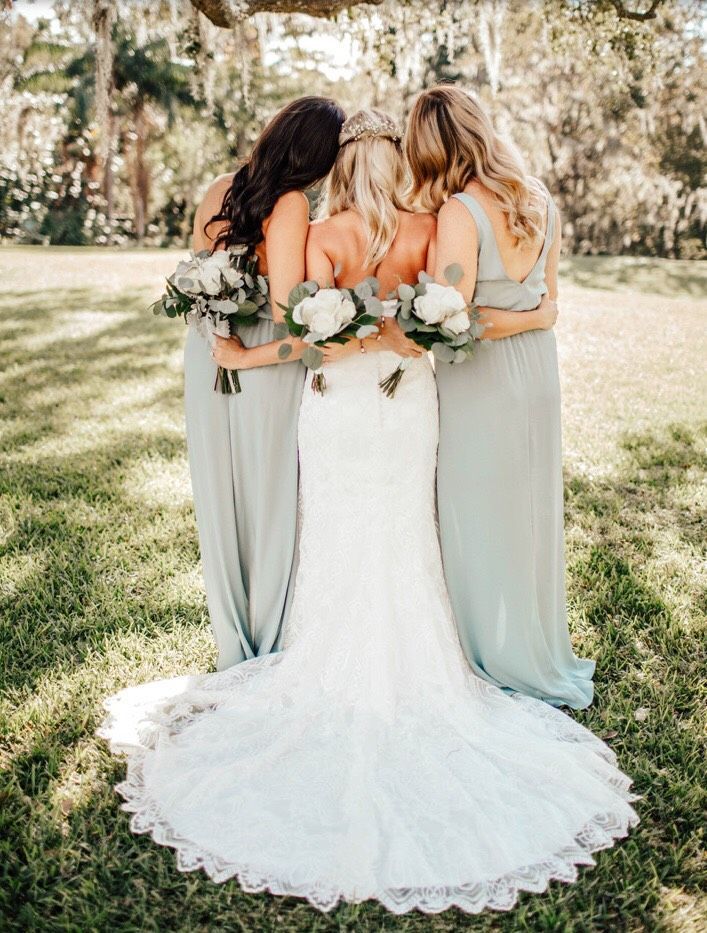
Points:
108	175
140	176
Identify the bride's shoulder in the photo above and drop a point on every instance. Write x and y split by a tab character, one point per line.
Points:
418	218
418	223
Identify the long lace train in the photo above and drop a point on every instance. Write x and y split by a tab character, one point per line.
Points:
366	760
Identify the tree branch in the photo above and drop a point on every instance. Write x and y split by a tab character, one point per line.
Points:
226	13
623	13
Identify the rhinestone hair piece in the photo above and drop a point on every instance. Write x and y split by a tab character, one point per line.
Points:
368	124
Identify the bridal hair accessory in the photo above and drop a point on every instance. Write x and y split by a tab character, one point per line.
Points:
368	124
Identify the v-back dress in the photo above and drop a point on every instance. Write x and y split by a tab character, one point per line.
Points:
500	493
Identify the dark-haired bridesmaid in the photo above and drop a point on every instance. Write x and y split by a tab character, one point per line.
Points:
243	448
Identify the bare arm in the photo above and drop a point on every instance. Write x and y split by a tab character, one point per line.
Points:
458	242
285	239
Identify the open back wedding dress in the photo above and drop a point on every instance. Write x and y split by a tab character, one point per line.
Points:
367	760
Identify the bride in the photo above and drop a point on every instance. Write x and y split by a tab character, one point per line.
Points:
367	760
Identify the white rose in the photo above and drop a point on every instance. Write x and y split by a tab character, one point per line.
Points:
458	322
438	303
186	277
233	276
210	274
325	313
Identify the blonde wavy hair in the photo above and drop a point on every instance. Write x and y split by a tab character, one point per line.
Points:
450	141
368	177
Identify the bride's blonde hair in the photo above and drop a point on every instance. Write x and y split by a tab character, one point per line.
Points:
449	141
369	178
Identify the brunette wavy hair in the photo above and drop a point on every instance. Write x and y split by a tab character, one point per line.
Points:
295	150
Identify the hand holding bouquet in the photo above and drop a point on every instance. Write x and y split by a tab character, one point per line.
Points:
216	293
329	315
437	318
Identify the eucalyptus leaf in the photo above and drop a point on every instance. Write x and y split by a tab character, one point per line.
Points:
366	331
248	279
374	283
443	352
298	293
454	273
263	284
424	278
363	290
284	350
406	292
337	269
246	308
280	331
375	307
460	356
312	358
311	286
407	325
223	306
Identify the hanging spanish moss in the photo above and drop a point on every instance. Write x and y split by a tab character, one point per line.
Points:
103	21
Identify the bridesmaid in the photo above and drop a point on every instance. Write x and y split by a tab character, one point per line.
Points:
500	459
243	448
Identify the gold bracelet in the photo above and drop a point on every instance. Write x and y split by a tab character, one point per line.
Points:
363	349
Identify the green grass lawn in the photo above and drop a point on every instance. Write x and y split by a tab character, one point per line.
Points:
100	588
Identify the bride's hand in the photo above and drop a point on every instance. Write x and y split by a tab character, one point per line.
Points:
230	353
547	312
392	338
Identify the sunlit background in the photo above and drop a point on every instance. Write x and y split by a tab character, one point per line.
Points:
609	111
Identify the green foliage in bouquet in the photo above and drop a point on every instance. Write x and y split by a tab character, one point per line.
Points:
437	318
328	315
217	293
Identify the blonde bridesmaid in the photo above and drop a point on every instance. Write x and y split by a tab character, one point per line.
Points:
500	456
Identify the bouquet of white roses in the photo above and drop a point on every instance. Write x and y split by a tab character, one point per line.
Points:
438	318
328	315
216	293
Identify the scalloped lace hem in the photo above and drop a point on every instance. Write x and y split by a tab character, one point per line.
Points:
472	897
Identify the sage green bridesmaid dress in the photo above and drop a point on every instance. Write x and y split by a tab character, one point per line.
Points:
500	494
244	472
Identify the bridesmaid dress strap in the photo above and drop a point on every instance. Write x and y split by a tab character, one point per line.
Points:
483	225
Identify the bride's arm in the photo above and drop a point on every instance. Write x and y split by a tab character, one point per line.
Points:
285	239
457	242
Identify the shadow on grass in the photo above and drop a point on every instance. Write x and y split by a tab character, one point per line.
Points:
100	558
669	277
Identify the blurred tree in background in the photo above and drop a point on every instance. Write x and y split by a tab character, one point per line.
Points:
117	115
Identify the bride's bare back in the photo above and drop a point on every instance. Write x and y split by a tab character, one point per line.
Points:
339	242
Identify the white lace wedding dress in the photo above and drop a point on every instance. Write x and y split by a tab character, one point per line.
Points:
366	761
